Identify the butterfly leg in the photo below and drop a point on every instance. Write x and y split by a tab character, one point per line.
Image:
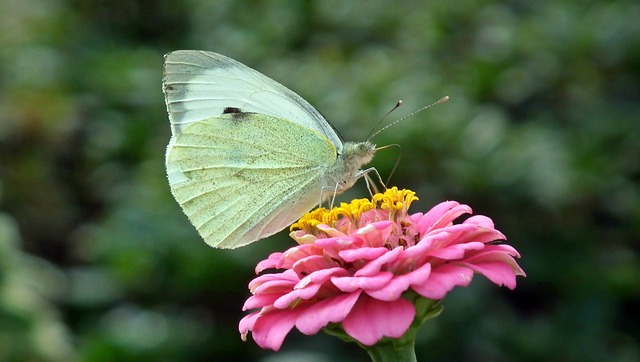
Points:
371	185
329	189
370	182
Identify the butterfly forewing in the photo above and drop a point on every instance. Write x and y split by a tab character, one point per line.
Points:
199	85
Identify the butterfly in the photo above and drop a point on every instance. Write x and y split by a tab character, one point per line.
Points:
247	156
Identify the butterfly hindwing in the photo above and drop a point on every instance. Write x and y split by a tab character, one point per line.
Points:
242	177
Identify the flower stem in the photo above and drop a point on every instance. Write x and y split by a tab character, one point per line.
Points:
392	351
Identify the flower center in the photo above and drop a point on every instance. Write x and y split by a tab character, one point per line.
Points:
392	205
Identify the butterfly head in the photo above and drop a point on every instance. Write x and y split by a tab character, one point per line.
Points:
347	168
355	155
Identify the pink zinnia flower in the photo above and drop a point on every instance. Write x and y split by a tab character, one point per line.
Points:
361	268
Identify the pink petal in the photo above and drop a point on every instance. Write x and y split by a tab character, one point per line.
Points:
419	252
457	251
442	280
452	215
322	313
374	266
331	232
508	249
499	273
291	298
259	301
374	234
311	263
269	263
332	246
450	243
453	232
480	220
442	215
398	285
308	286
270	329
297	253
275	286
496	253
432	216
365	253
350	284
373	216
370	319
281	279
321	276
301	237
481	234
247	323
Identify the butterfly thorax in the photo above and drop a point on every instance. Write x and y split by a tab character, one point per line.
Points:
346	170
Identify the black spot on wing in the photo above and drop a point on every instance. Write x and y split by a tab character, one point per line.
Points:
238	116
231	110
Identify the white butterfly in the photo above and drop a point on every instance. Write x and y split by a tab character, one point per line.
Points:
247	156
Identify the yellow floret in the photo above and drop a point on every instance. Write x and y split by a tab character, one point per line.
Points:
392	199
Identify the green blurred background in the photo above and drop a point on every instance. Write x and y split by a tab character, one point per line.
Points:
542	133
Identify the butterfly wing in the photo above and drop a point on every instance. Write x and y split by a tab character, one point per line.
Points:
199	85
242	177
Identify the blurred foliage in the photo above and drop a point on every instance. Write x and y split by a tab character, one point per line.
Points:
542	133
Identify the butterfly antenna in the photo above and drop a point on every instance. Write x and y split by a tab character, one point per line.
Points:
440	101
371	134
